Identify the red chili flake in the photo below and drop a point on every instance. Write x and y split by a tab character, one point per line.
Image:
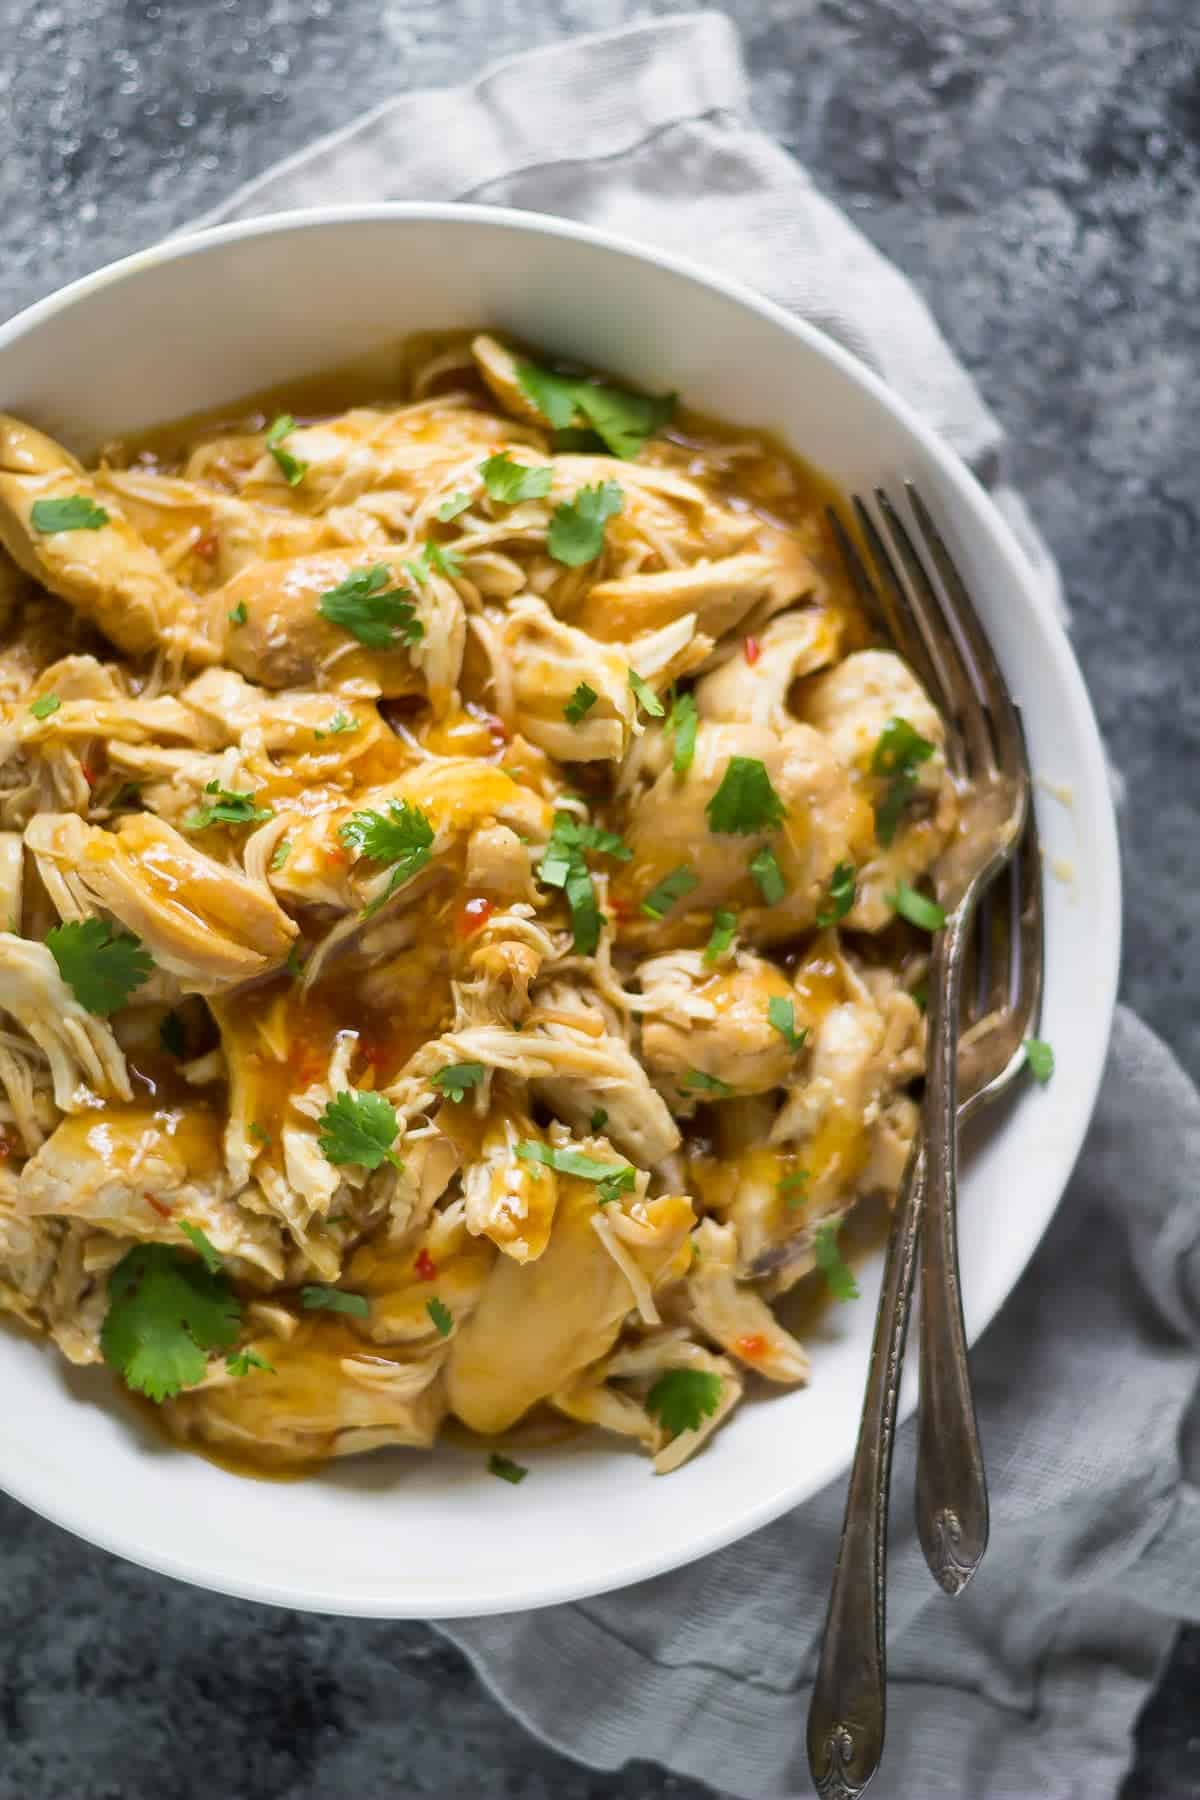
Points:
89	774
751	1347
473	915
335	854
620	909
6	1147
751	650
164	1212
425	1266
207	547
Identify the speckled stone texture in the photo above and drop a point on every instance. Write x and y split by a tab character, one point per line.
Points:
1035	166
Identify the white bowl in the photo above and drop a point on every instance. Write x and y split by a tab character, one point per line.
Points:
210	318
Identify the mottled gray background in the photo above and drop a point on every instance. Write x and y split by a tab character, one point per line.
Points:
1035	166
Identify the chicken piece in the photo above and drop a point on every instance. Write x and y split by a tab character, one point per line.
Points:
715	1022
826	822
202	921
12	880
499	865
720	594
205	537
550	662
508	1200
140	1173
444	1261
28	1254
233	711
285	641
498	366
109	573
756	693
84	1057
326	1394
539	1324
642	1363
733	1315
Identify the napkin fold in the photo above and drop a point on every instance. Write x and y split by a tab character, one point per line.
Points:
1087	1380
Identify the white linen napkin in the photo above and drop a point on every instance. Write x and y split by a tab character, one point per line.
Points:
1028	1683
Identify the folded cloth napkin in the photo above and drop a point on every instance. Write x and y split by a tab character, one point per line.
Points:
1030	1682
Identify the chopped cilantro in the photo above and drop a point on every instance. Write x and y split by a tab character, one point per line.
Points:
377	615
317	1298
454	1080
450	509
564	866
645	696
838	1276
506	1469
238	615
1040	1058
670	889
209	1255
898	755
580	703
289	466
167	1310
553	395
781	1014
443	1318
402	836
841	896
226	809
598	1120
793	1189
613	1178
699	1081
280	854
768	876
745	802
441	558
577	528
926	914
74	512
621	419
242	1361
100	965
682	1399
339	726
724	930
682	725
358	1128
44	705
511	482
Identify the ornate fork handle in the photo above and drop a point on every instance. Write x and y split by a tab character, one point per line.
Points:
848	1712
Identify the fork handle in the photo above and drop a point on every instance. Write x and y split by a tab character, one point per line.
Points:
847	1714
951	1496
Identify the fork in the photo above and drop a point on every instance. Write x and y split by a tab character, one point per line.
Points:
846	1718
986	754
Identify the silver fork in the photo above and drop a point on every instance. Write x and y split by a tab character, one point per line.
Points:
985	750
846	1718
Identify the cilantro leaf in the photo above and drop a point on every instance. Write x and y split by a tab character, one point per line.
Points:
172	1035
209	1255
339	726
443	1318
44	705
577	528
898	755
683	1398
645	696
838	1276
506	1469
238	615
450	509
918	909
622	419
1040	1058
100	965
74	512
682	725
564	866
456	1078
289	466
724	929
553	395
614	1178
317	1298
580	703
781	1014
401	836
841	895
793	1189
166	1312
442	558
768	876
745	802
671	888
242	1361
280	854
511	482
358	1128
699	1081
598	1120
377	615
226	809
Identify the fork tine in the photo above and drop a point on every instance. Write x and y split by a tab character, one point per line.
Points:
937	627
998	700
901	624
860	580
